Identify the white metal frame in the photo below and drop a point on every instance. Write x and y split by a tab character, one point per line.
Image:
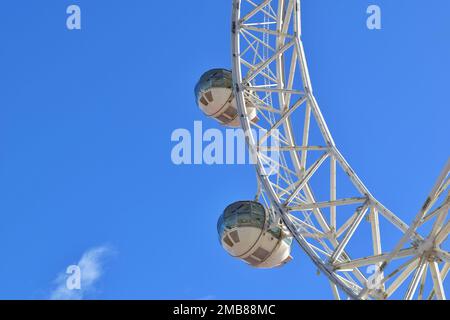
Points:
270	68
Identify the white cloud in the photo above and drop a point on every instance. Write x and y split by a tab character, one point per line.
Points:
91	266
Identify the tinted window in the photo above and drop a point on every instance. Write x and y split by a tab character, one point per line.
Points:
235	236
228	241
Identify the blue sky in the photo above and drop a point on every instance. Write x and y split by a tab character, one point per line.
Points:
86	119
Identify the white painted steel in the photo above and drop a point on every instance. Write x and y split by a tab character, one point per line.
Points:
269	65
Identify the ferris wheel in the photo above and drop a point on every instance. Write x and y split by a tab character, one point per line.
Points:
308	192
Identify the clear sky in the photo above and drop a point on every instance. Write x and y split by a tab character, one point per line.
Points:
86	118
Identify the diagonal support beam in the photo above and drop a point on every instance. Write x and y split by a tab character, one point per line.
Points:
326	204
437	281
361	212
282	119
256	10
444	274
376	259
401	278
416	279
306	178
264	65
427	205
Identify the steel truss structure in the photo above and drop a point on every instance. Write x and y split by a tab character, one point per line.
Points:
336	224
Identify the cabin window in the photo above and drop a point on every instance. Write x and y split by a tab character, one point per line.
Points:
222	118
252	261
209	96
235	236
261	253
227	240
231	112
203	101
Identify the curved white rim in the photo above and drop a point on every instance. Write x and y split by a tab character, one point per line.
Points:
269	61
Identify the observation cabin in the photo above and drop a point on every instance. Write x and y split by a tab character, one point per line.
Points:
249	232
215	98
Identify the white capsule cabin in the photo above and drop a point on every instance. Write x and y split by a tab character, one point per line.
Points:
248	232
215	97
